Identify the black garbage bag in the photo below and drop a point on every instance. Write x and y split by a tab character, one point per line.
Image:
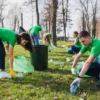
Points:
21	29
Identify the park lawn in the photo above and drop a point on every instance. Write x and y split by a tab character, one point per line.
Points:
51	84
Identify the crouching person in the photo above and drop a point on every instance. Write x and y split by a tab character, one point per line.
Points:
91	66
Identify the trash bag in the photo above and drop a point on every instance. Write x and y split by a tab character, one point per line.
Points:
40	42
20	64
67	49
77	70
21	29
51	46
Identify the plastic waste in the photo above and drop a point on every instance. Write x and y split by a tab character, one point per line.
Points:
67	60
19	75
52	47
74	87
64	46
40	41
20	64
67	49
58	63
77	70
50	60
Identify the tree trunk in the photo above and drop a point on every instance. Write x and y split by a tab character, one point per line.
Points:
83	22
22	19
53	22
64	20
37	12
2	23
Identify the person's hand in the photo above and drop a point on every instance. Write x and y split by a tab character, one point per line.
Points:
73	71
76	81
14	55
67	45
12	73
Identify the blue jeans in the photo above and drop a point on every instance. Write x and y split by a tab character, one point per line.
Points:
2	56
35	39
94	70
74	50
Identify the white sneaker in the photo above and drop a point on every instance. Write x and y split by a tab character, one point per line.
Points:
4	74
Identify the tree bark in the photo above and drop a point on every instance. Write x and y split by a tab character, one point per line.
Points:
37	12
53	22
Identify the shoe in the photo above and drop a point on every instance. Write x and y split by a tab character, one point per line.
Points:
4	74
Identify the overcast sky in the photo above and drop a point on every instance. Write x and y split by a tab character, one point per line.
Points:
74	16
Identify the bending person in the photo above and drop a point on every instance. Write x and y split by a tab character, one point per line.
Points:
11	38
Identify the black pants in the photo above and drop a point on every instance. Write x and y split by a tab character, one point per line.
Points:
74	50
2	56
94	70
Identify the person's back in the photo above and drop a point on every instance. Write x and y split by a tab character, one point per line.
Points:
8	36
34	31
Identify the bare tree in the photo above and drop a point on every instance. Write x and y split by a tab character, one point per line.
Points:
2	8
37	11
95	10
53	22
46	15
65	15
89	10
14	16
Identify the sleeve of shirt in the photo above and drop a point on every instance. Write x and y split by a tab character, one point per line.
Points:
95	51
83	49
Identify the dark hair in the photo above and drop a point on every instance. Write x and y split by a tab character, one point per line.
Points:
83	34
75	32
25	36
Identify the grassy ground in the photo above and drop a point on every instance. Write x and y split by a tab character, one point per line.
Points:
52	84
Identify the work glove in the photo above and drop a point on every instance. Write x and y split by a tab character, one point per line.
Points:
76	81
12	73
73	70
14	55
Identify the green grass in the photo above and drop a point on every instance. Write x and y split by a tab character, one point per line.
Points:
51	84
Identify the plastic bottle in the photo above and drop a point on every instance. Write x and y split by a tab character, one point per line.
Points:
73	88
67	60
58	63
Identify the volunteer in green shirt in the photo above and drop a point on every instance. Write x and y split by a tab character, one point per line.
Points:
10	38
91	66
35	30
76	46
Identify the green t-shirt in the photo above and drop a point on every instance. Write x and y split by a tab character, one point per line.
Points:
35	29
94	48
8	36
78	44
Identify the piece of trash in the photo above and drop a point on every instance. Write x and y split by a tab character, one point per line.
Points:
58	63
19	75
67	60
50	60
21	64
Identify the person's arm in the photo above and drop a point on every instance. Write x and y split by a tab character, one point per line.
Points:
11	56
12	73
75	42
7	47
76	59
86	65
75	62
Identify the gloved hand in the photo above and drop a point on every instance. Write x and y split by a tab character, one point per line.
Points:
73	70
76	81
14	55
12	73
